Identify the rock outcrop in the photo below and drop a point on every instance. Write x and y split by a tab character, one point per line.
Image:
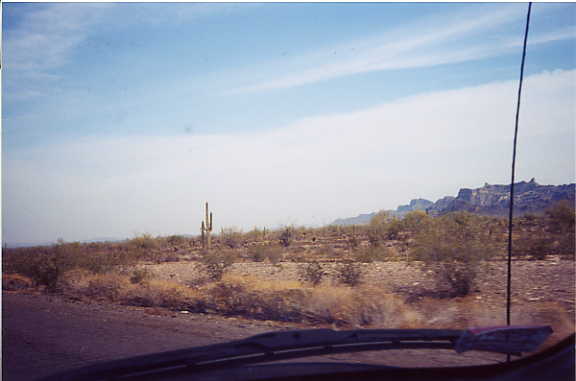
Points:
493	200
416	204
489	200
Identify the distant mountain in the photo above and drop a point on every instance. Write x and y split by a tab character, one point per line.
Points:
489	200
416	204
493	200
13	245
361	219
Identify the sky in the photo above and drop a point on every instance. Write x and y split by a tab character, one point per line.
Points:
120	119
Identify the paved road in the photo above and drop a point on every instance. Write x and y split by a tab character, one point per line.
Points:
42	335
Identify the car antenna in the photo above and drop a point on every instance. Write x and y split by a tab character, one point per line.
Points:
511	209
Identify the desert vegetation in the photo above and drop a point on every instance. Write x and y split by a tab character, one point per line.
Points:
333	268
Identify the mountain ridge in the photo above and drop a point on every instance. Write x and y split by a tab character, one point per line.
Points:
489	200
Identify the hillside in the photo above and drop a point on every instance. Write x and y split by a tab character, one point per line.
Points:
489	200
416	204
494	200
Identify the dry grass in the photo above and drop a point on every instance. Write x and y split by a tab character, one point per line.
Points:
85	284
15	282
251	297
328	304
467	312
254	283
362	306
293	301
160	293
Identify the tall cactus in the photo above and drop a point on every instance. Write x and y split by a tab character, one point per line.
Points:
206	229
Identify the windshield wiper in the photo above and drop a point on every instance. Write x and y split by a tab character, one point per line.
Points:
284	345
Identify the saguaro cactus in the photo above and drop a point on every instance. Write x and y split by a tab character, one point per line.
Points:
206	229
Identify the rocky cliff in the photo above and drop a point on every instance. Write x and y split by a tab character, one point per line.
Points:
493	200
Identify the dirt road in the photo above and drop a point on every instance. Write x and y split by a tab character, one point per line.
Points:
42	335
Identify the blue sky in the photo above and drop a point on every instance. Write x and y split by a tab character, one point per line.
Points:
123	118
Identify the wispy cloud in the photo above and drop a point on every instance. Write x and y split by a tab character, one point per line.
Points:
306	172
45	38
178	13
48	34
42	42
424	44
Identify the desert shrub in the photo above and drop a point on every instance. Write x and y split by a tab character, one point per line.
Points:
375	236
75	279
257	298
176	240
352	236
454	247
567	245
533	246
327	251
561	217
371	254
349	274
107	286
376	229
530	219
380	218
216	263
560	223
261	253
361	306
45	265
231	237
230	298
256	235
393	229
353	241
160	293
116	287
15	282
143	242
287	236
274	254
415	221
311	273
86	284
140	275
257	253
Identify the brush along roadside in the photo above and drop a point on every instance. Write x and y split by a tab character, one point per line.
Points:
292	301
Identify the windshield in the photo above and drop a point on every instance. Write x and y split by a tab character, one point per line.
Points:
177	175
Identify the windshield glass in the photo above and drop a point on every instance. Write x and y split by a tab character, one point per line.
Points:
184	174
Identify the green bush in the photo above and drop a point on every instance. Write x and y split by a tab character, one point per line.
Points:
455	247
